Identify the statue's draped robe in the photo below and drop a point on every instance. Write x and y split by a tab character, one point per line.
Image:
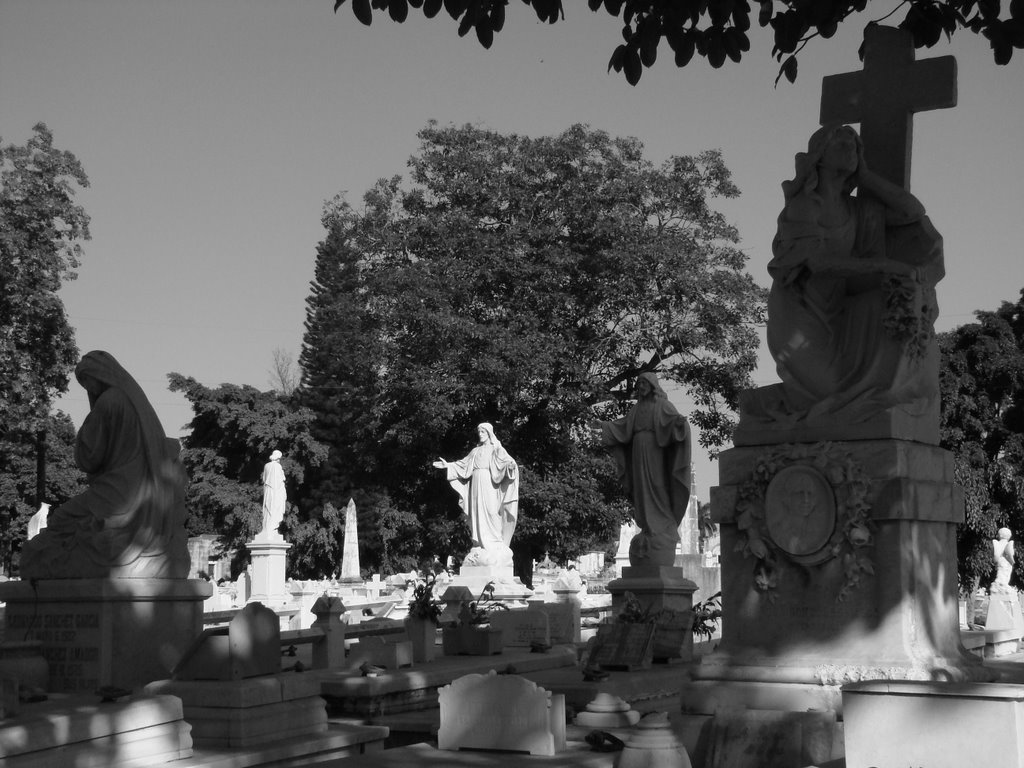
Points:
274	497
130	520
651	448
826	330
487	481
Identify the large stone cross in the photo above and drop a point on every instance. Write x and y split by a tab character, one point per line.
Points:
884	96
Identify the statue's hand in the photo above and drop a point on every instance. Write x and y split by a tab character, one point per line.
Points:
441	464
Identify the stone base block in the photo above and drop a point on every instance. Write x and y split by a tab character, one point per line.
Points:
220	727
939	725
507	586
248	712
95	632
660	589
134	732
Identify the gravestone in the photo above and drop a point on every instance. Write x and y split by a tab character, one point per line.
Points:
521	628
500	712
95	632
622	646
250	645
838	534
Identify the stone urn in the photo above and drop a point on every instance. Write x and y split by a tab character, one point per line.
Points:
24	661
423	634
653	745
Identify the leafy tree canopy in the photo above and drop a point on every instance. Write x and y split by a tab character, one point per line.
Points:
18	479
233	431
717	29
525	282
41	229
982	381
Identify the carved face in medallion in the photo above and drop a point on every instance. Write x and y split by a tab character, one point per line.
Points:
800	512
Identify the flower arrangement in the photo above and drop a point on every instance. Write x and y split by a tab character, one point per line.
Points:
479	611
706	615
424	604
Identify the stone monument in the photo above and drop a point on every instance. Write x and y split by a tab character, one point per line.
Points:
269	549
651	446
837	507
487	483
350	553
104	585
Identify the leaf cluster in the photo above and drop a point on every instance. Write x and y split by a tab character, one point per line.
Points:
717	30
982	423
525	282
18	453
41	230
233	430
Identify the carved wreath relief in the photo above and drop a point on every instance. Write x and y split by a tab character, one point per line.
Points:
806	505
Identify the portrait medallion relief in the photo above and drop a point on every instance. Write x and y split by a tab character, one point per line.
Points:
800	513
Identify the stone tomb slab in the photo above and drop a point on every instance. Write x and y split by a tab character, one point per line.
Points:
94	632
521	628
500	712
894	724
244	713
425	756
73	730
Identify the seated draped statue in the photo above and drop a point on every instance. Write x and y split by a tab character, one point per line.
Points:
852	302
487	481
130	521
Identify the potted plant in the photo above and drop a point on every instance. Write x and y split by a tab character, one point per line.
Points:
421	621
472	634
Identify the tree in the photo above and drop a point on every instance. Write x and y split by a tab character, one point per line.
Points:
982	383
526	282
41	229
18	474
233	431
283	376
717	29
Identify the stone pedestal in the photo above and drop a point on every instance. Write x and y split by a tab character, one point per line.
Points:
268	561
854	577
660	588
95	632
507	586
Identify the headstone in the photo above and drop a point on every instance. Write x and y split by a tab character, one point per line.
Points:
563	617
95	632
522	627
249	646
350	550
623	646
500	712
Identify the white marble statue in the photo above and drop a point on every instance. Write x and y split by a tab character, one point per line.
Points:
852	302
274	497
1002	553
37	522
130	521
487	481
651	447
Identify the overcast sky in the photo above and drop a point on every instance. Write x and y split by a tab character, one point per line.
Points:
212	133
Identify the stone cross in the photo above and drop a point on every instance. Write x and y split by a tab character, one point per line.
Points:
884	96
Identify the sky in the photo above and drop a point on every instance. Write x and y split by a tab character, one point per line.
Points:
213	132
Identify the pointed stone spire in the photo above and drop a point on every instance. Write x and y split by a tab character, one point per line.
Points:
350	552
